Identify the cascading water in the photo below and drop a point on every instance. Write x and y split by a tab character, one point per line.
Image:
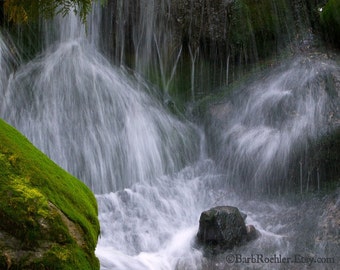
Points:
188	47
149	170
3	65
272	121
143	40
8	60
93	120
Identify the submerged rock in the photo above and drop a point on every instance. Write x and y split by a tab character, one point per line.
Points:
223	227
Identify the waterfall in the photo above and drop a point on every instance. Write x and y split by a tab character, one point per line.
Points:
271	121
3	65
150	170
8	60
96	121
142	34
169	40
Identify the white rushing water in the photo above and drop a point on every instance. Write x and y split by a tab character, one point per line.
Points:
149	170
154	226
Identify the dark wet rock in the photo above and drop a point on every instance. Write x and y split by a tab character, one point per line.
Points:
223	227
328	228
244	216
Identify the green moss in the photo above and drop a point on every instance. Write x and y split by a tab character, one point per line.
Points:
30	186
59	258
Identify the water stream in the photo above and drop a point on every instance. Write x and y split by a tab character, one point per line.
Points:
150	171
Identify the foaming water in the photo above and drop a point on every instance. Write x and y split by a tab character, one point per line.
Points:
158	223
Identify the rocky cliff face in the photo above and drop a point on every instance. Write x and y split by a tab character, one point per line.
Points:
48	218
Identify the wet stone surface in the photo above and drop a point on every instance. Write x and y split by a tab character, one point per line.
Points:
221	228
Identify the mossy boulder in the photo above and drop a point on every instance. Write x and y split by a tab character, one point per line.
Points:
48	217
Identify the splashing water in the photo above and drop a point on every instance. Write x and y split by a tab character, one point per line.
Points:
157	224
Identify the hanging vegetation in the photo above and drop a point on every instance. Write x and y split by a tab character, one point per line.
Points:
23	11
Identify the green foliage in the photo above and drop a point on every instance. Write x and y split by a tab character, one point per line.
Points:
20	11
32	188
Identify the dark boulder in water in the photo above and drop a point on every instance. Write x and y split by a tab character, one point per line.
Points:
223	227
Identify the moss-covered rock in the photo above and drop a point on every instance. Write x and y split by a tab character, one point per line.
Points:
48	217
